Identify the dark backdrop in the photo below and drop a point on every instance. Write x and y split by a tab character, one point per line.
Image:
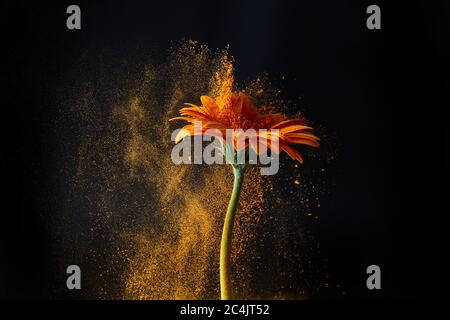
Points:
386	211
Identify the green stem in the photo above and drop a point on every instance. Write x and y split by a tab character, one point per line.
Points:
225	245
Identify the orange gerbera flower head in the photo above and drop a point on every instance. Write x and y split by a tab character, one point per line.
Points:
235	110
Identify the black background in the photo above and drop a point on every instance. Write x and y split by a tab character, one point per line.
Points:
384	93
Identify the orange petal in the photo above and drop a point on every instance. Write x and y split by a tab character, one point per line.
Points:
308	142
213	124
209	104
186	131
248	110
194	114
294	154
195	108
238	104
286	123
191	105
181	118
293	128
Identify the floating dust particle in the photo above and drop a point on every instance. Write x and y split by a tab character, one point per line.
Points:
152	229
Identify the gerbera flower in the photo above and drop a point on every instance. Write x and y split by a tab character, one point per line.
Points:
235	110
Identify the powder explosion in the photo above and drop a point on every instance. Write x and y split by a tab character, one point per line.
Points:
144	228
